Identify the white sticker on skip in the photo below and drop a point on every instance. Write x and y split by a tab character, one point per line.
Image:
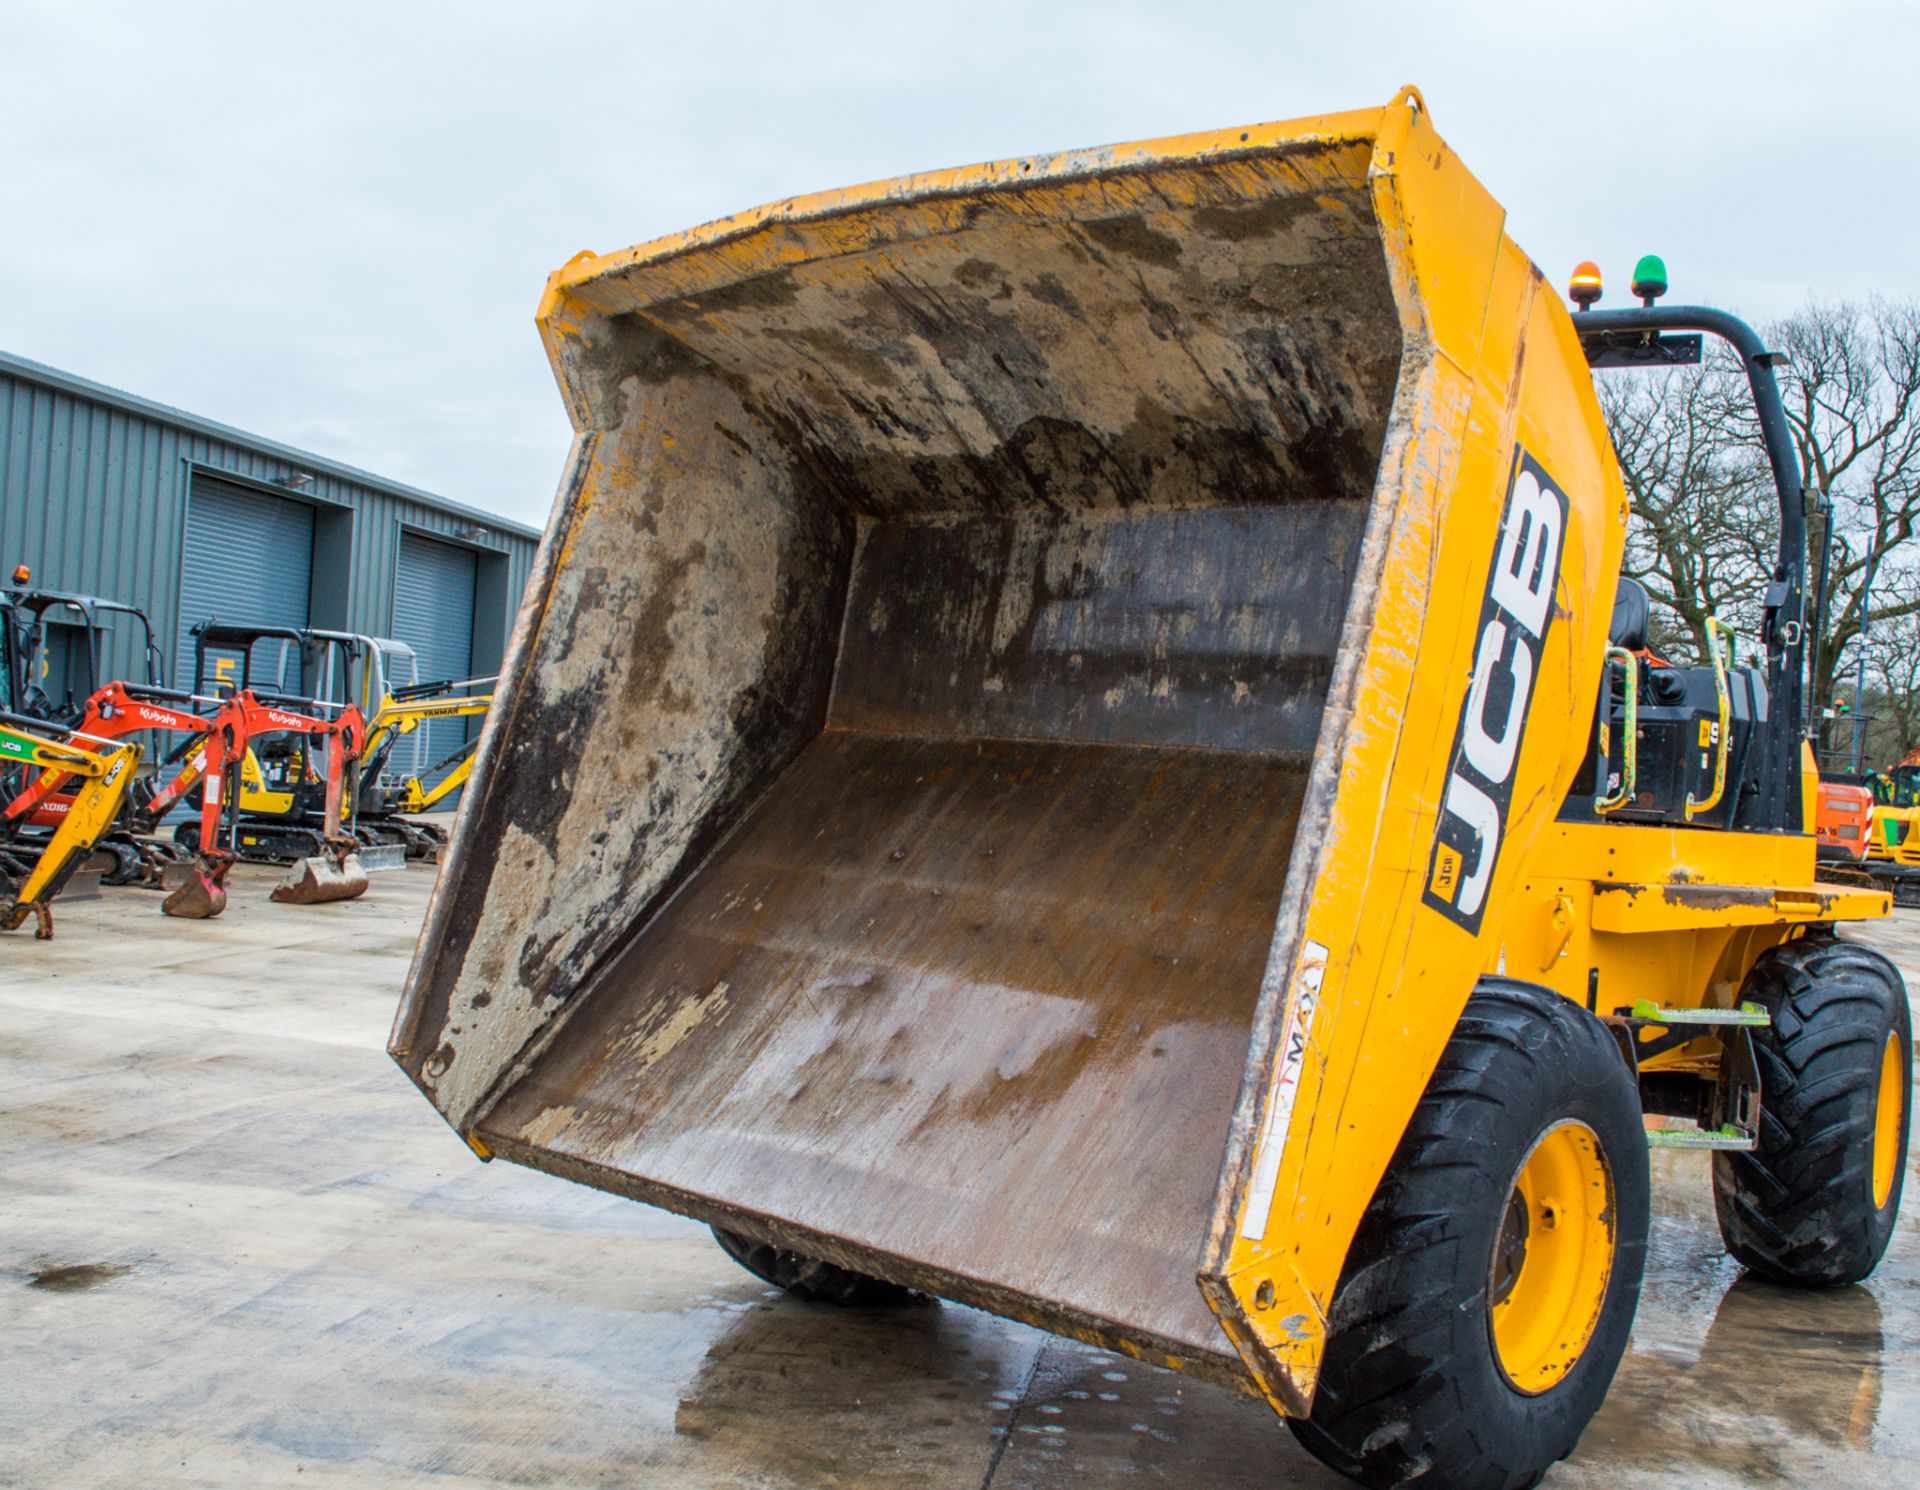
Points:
1296	1032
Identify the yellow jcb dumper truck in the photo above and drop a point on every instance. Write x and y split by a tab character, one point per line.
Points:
1071	747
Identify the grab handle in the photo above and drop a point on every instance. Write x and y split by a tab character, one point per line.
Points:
1603	801
1720	649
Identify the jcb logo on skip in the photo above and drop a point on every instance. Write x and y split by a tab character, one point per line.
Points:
1514	617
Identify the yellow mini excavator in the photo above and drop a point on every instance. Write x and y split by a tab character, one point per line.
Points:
392	790
36	867
1076	744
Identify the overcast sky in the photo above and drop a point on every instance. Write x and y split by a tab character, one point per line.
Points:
330	224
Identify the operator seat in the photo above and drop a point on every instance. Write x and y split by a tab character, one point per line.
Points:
1632	614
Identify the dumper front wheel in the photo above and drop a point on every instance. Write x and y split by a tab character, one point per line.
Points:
808	1277
1814	1204
1489	1292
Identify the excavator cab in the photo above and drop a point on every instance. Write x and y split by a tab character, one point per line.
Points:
12	669
60	647
282	779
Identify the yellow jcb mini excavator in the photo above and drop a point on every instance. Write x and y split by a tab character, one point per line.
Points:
1076	744
389	792
36	868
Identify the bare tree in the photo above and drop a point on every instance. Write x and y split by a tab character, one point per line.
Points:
1706	520
1698	539
1887	661
1852	392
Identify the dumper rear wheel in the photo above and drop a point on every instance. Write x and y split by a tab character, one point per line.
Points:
808	1277
1814	1204
1489	1292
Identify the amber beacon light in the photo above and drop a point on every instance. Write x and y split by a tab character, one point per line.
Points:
1584	288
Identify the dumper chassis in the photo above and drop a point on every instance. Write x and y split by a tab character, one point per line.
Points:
1076	744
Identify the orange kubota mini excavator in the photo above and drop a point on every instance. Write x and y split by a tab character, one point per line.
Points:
333	874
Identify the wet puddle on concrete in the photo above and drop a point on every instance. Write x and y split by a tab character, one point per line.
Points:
76	1277
1729	1382
237	1250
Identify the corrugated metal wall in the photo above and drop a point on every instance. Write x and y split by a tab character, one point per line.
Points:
93	487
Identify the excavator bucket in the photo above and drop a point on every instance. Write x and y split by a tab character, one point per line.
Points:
971	762
202	891
335	875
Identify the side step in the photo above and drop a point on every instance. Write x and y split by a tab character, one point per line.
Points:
1751	1016
1667	1029
1726	1138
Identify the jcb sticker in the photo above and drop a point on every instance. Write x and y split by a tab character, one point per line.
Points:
1514	618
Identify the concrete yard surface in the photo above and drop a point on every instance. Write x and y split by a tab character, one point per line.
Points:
238	1250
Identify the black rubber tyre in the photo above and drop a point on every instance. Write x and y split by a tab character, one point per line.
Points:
1800	1209
1412	1390
810	1279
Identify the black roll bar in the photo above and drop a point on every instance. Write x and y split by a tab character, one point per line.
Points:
1636	337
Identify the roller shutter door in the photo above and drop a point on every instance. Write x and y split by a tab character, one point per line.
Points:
248	562
433	614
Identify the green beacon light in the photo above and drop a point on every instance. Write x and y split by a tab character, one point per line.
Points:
1650	278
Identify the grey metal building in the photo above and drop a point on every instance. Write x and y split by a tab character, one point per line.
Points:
114	495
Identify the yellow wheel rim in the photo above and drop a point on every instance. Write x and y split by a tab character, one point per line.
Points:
1552	1258
1887	1116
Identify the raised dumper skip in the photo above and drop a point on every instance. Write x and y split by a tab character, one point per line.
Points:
963	809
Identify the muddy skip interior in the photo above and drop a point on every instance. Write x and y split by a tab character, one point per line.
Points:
949	970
